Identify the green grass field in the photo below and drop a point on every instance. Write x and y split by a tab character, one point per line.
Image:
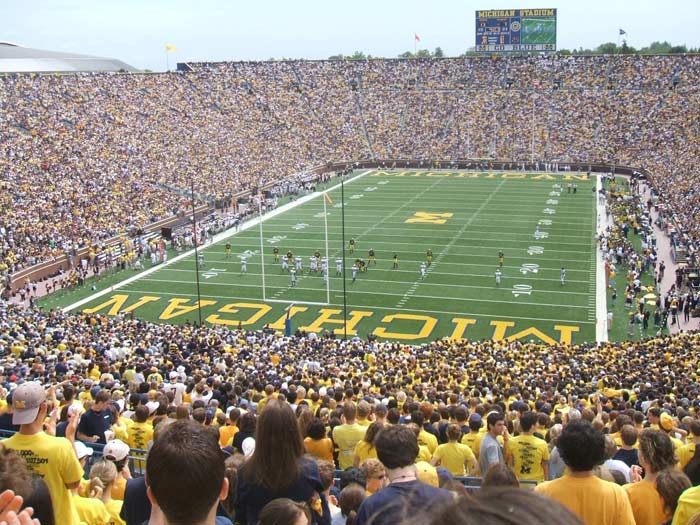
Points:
464	218
539	31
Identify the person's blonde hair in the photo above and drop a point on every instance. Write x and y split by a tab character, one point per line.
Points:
105	471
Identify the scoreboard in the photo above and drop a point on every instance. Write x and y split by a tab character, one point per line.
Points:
499	30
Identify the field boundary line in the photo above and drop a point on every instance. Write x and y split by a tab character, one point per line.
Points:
601	297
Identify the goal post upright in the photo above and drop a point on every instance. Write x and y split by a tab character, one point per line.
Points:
262	246
328	259
267	299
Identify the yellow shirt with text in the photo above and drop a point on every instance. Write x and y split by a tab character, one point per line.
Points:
54	460
528	453
139	435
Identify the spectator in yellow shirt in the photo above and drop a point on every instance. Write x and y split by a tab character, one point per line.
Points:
316	443
656	453
141	431
86	394
424	437
687	451
347	436
688	506
363	411
227	431
472	438
269	396
365	448
593	500
671	484
453	455
527	454
103	475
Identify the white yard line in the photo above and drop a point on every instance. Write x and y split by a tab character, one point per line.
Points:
502	244
374	226
469	286
513	233
447	229
217	238
413	272
412	290
601	298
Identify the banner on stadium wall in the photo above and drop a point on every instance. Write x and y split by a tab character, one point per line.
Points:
523	30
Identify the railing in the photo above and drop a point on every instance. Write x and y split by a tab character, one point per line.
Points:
469	482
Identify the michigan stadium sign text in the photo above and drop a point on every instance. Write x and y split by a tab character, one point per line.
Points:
478	175
504	30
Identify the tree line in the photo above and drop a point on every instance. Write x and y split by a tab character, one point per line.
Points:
608	48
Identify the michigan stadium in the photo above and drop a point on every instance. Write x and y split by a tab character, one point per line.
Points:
425	274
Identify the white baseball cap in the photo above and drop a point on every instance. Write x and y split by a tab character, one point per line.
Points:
81	450
116	450
26	401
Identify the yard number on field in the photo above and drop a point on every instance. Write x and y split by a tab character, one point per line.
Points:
212	272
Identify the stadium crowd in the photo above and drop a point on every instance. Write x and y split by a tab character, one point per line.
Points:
466	405
112	152
257	427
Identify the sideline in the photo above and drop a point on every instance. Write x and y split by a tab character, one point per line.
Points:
601	308
253	222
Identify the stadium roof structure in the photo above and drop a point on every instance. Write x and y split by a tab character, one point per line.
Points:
15	58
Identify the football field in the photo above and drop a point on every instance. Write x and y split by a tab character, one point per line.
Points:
465	218
539	31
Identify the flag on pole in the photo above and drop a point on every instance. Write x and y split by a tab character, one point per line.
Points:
416	37
170	47
622	32
327	197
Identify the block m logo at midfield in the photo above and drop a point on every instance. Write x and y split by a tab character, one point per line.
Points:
423	217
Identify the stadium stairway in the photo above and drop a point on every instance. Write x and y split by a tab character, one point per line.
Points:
608	72
358	104
664	250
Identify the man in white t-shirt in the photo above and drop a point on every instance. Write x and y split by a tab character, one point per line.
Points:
176	387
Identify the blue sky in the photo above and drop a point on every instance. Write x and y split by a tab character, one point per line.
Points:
136	31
